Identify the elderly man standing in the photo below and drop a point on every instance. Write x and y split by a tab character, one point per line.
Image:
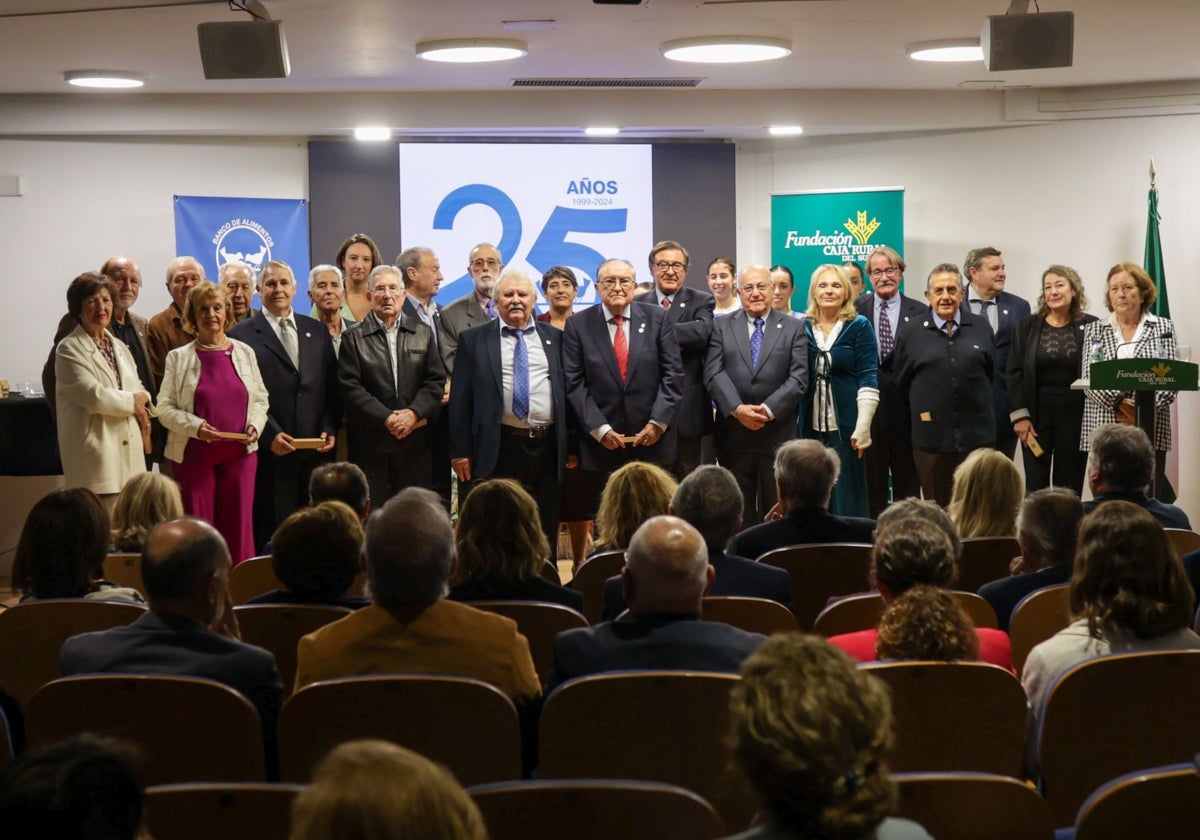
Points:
165	330
477	306
756	371
508	406
327	294
238	280
392	380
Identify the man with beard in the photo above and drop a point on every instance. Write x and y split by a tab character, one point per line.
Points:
474	308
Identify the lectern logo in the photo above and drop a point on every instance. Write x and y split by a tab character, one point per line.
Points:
1161	369
861	229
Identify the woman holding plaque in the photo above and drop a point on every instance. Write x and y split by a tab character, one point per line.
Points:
213	403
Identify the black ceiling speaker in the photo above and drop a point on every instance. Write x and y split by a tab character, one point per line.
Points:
1028	41
243	49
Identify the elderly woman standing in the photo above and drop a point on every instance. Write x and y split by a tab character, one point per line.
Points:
101	402
213	403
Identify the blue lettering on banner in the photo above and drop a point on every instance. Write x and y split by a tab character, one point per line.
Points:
465	196
552	247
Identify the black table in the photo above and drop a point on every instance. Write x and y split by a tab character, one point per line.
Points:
28	437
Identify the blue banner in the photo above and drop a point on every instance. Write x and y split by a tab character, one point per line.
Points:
250	230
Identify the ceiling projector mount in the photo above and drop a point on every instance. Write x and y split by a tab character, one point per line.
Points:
244	49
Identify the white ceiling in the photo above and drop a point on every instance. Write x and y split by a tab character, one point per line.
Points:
353	62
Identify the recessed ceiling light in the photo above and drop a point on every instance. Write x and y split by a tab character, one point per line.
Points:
372	133
726	49
601	131
948	49
785	130
467	50
108	79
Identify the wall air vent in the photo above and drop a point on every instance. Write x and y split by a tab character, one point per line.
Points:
607	83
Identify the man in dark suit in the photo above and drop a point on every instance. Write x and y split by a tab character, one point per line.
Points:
945	365
474	308
299	369
392	380
805	471
1121	467
623	375
710	501
665	578
690	311
508	407
983	270
756	370
891	436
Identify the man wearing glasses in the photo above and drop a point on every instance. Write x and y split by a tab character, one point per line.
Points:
891	432
690	312
624	376
474	308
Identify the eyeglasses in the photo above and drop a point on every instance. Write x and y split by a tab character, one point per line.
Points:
611	283
391	291
890	271
664	266
485	264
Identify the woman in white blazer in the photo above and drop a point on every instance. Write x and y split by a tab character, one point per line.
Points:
102	405
213	404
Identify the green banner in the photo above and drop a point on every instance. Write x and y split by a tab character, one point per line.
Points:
1142	375
813	228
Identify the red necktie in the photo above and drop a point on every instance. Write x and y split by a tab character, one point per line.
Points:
666	303
620	347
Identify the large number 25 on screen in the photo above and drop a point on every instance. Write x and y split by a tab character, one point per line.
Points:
551	246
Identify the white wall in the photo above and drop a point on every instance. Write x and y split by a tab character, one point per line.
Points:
1064	192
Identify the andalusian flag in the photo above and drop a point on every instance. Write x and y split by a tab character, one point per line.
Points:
1153	263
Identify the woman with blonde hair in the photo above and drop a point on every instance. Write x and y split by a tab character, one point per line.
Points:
378	790
987	494
633	494
145	500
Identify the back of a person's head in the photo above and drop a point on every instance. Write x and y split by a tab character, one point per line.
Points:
987	492
911	552
1127	577
179	558
926	623
409	549
342	482
62	545
806	471
499	536
909	509
146	500
87	788
666	568
811	732
1124	456
710	500
633	494
1048	525
314	552
376	790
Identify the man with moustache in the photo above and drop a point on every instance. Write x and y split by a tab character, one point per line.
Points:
945	362
327	294
299	369
474	308
891	448
508	406
756	370
690	311
238	280
165	331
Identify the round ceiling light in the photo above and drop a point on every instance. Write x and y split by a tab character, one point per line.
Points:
946	50
471	50
726	49
104	79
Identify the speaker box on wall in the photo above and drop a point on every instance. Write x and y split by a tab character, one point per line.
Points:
1028	41
243	49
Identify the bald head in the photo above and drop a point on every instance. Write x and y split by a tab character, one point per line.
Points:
666	568
179	559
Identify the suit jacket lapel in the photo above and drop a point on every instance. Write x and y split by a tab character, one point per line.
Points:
635	337
741	335
494	361
599	328
772	329
101	363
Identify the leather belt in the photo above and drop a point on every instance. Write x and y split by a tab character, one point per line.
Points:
531	432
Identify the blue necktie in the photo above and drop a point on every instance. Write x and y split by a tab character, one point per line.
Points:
756	343
490	308
520	399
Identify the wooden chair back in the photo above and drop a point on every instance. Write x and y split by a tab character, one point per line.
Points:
595	809
820	571
1183	540
539	623
661	726
985	559
590	577
1163	802
279	628
862	612
32	633
188	729
467	725
202	811
955	716
1037	617
754	615
125	570
550	572
253	576
980	806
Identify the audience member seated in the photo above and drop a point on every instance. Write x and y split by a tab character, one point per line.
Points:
811	733
378	790
315	556
86	787
343	482
926	509
710	500
1046	529
987	492
1121	467
502	548
909	552
926	623
146	500
190	629
805	472
1128	594
411	628
61	550
632	494
665	579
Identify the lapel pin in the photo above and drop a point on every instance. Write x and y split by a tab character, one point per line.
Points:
779	325
682	305
308	335
1005	311
926	324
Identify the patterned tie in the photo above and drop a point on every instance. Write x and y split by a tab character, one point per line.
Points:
885	331
949	328
490	308
988	310
287	335
520	386
756	342
620	346
666	303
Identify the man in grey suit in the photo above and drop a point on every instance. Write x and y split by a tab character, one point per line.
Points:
756	370
474	308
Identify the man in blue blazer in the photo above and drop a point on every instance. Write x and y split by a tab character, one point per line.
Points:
624	375
299	368
508	406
